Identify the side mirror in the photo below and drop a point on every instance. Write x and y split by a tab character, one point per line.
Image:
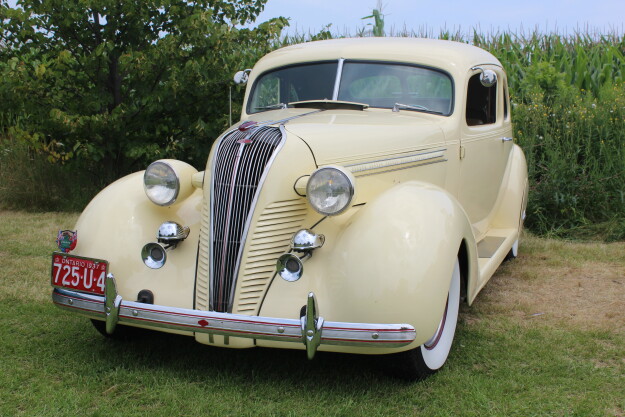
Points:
241	77
488	78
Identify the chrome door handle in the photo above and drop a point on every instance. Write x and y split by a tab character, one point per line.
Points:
506	139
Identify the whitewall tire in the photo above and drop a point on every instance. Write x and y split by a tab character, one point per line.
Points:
436	350
431	356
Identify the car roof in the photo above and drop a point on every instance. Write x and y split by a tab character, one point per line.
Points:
453	57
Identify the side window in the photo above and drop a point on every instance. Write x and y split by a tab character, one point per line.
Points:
505	100
481	103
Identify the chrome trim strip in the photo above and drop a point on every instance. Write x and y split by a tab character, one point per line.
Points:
251	327
337	81
402	160
402	168
277	122
211	209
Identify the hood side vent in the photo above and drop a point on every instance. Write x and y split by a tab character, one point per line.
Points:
270	239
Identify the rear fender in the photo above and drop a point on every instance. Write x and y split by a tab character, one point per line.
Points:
514	193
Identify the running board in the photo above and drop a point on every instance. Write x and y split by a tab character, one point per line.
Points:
489	246
492	250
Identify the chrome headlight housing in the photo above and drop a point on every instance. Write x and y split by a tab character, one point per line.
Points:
330	190
161	183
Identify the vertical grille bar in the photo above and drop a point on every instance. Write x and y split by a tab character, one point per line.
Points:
241	161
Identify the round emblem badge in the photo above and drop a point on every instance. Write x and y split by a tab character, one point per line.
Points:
66	240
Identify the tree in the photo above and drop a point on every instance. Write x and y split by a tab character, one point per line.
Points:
118	84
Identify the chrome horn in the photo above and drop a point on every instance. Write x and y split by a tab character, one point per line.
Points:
290	266
170	234
154	255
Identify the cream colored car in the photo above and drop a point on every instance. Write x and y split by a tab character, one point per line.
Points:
370	187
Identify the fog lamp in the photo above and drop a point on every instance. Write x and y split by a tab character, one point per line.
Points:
172	233
306	240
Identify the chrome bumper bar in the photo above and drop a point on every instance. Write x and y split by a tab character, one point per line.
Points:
310	329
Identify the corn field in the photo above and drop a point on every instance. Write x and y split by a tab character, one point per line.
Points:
585	62
568	95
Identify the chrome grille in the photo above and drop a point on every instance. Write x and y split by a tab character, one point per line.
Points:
241	160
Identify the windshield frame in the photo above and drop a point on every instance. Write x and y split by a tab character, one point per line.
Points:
339	78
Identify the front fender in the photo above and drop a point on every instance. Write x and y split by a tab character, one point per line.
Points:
395	258
120	220
389	261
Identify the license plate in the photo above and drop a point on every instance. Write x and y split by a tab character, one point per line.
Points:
78	273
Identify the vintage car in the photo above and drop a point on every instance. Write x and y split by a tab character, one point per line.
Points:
370	186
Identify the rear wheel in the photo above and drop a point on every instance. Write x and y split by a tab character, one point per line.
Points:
514	251
428	358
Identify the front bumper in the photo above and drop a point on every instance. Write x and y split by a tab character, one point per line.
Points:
310	329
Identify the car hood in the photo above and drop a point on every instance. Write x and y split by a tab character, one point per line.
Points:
348	136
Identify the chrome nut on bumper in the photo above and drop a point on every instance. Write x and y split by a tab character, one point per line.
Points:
310	329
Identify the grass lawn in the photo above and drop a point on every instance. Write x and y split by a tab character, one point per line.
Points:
545	337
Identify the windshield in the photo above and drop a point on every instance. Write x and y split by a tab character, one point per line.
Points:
295	83
377	84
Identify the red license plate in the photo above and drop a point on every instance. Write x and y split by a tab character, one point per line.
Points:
78	273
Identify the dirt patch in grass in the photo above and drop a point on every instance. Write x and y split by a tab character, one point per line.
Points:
559	283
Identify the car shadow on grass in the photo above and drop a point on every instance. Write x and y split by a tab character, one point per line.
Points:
182	357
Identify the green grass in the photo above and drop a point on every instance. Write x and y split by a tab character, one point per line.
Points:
503	363
31	182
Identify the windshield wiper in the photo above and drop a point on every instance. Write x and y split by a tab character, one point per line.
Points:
399	106
329	105
317	104
272	106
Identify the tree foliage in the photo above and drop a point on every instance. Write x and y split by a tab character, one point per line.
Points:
117	84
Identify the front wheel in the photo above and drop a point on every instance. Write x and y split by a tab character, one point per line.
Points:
123	333
428	358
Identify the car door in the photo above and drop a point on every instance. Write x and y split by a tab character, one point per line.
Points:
486	142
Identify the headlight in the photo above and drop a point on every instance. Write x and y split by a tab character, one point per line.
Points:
330	190
161	183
